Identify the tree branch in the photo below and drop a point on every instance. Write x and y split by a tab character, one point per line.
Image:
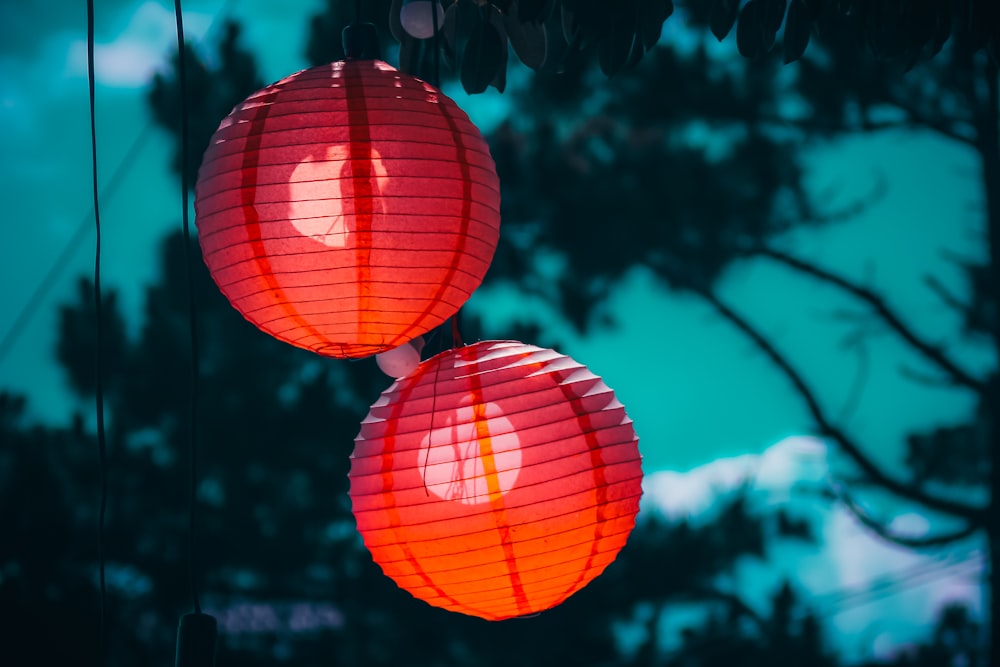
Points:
883	531
882	309
972	513
947	297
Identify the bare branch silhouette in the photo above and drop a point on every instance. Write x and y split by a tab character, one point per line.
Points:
947	297
929	351
972	513
885	533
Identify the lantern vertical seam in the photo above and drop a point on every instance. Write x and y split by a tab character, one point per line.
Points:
362	177
461	159
388	466
430	428
500	519
251	219
600	481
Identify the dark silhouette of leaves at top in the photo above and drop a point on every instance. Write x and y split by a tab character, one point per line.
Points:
483	56
614	48
723	17
749	36
528	39
533	10
797	28
652	15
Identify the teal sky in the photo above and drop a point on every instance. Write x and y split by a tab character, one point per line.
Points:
668	358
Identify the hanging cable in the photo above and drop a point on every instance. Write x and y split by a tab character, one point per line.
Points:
62	261
456	335
196	632
102	447
437	44
192	311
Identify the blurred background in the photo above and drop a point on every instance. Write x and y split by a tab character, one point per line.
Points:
781	269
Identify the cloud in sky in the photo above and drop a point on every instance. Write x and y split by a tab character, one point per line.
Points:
130	59
872	596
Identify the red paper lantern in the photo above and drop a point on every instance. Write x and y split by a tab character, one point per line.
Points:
347	208
496	479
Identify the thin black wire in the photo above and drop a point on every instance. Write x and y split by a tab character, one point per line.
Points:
98	310
62	262
947	571
192	310
456	336
437	45
430	430
357	11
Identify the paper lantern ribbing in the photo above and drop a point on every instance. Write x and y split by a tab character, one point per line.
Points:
347	208
496	480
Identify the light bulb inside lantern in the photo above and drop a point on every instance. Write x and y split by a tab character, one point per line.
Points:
401	361
416	18
473	457
328	219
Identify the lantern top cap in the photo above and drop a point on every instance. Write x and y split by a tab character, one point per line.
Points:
360	42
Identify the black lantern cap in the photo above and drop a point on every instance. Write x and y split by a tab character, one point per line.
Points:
361	42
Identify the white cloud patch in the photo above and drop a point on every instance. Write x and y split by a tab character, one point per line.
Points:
874	597
139	50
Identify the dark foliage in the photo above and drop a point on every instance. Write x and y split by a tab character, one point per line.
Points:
547	35
679	166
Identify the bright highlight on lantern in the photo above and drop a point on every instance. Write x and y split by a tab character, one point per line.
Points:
496	479
329	220
474	457
348	208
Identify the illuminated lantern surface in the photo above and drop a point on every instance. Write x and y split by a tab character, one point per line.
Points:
496	480
347	208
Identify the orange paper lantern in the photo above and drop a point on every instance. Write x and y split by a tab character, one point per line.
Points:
496	480
347	208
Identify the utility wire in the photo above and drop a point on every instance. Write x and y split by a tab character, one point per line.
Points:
98	310
709	649
62	261
918	575
192	308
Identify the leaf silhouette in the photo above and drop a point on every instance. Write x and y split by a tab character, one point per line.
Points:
652	14
797	28
531	10
528	38
723	17
614	49
749	38
482	57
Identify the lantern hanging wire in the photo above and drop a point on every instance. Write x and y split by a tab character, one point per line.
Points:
196	631
456	322
99	314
